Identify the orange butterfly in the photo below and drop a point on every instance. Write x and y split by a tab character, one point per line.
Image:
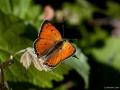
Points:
52	46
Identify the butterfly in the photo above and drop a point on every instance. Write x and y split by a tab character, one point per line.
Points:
51	46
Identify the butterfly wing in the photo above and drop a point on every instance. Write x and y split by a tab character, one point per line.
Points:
60	54
48	36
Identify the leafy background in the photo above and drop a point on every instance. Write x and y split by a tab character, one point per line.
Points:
92	25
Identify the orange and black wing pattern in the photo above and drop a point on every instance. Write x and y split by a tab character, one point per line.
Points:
47	38
60	54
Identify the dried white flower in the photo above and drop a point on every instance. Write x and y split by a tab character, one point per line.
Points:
29	57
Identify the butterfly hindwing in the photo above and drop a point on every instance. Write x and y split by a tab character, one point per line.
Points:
47	38
42	46
60	54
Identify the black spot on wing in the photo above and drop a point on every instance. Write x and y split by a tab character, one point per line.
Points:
52	30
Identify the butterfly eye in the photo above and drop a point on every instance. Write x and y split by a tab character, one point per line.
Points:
64	40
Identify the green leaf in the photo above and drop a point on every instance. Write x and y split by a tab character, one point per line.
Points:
109	54
33	9
5	6
20	7
24	9
80	65
42	79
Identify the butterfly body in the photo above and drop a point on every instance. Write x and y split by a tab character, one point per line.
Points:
54	47
51	46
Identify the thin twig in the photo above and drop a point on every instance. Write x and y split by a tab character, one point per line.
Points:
4	65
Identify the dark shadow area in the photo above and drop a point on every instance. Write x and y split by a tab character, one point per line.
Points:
74	77
102	75
30	33
24	86
56	4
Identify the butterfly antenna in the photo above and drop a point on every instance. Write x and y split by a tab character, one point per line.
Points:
75	56
63	29
63	26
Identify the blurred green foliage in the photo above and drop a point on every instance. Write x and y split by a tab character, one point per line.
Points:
113	9
76	13
109	54
20	16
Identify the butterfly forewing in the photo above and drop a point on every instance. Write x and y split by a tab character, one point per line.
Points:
47	38
48	31
60	54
